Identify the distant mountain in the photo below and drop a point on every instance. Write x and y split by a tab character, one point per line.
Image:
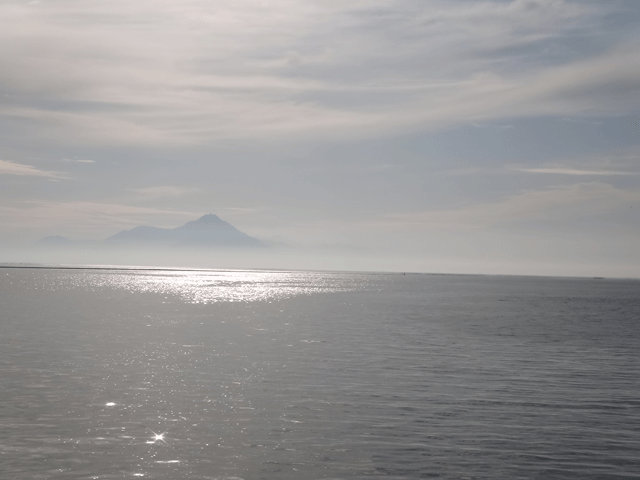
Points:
208	231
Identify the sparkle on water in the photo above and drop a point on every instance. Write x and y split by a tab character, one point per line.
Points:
157	437
211	286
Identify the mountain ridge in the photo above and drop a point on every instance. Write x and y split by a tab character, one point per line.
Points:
207	231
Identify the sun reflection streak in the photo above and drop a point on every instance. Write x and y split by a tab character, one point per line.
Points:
213	286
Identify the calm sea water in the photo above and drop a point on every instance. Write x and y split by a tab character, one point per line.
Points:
118	374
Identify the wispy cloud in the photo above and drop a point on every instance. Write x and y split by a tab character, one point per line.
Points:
11	168
195	71
574	171
549	204
77	160
623	162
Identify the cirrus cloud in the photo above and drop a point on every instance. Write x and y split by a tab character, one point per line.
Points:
11	168
195	72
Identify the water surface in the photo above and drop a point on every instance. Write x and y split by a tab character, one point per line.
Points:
114	374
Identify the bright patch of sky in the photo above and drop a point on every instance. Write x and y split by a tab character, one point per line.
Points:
457	135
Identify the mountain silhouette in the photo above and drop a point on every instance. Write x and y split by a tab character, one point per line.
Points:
208	231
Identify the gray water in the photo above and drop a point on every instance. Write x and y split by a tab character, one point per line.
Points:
117	374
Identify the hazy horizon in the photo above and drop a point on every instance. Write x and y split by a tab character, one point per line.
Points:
494	136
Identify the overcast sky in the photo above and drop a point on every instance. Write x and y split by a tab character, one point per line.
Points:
424	135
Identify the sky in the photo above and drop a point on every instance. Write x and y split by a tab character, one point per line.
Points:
457	136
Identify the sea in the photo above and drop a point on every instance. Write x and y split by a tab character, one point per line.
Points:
127	373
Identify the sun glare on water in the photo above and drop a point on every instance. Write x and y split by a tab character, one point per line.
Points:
217	286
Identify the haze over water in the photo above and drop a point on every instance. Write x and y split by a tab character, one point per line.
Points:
110	374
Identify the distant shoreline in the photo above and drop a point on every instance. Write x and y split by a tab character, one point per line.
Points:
138	268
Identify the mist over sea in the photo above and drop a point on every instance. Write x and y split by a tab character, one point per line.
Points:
192	374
